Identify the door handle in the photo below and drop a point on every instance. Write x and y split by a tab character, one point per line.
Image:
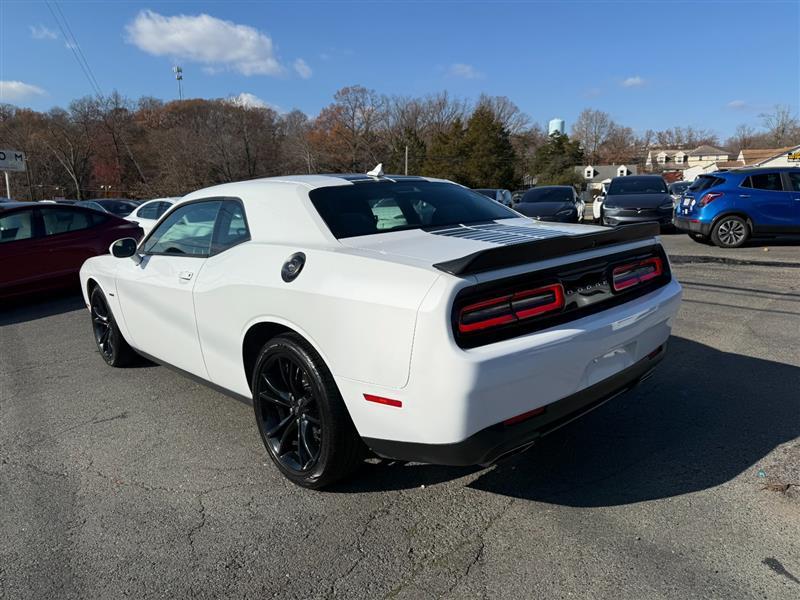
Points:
185	275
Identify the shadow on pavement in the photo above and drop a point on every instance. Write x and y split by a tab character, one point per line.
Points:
704	418
39	306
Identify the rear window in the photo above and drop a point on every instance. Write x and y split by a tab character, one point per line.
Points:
637	185
379	207
704	182
554	194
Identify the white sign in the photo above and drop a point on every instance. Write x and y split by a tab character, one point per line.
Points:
12	160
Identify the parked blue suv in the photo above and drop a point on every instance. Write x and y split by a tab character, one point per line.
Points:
728	207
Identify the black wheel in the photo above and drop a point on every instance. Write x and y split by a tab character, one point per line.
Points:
112	346
730	232
301	416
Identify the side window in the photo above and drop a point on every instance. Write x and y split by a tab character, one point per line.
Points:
149	212
65	220
16	226
185	232
794	179
161	208
231	227
766	181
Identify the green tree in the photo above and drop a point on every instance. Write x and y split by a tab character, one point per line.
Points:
489	155
555	161
416	153
445	156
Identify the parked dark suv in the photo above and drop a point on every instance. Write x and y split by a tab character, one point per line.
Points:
728	207
635	199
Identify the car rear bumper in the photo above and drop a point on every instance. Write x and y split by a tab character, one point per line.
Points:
454	393
691	226
502	439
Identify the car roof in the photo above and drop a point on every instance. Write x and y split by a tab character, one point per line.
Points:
7	206
549	187
750	170
632	177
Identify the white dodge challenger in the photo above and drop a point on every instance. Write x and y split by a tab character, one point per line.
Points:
404	315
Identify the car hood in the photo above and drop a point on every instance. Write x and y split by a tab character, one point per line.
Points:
449	243
541	209
637	200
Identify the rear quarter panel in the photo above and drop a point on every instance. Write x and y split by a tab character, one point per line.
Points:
358	312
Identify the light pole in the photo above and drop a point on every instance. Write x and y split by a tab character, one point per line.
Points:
179	78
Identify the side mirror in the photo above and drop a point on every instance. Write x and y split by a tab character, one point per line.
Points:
124	248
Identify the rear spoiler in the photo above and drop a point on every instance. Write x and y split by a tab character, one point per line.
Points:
519	254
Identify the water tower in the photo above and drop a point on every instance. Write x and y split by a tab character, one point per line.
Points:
556	126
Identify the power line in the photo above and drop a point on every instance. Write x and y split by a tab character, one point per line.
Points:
72	44
80	50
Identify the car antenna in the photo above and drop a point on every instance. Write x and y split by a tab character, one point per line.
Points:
377	173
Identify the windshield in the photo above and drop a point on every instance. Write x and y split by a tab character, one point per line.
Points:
552	194
379	207
637	185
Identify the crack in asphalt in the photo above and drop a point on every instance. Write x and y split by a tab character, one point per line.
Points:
359	539
480	542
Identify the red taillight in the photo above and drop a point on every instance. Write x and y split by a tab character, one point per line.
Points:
709	197
380	400
631	274
511	307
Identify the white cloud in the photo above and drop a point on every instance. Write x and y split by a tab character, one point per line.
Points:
248	100
737	104
14	91
634	81
302	68
205	39
40	32
464	71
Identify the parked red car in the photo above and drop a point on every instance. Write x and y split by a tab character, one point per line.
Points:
42	246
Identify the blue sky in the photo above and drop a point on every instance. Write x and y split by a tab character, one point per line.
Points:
650	64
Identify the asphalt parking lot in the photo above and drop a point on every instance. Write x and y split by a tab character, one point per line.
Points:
141	483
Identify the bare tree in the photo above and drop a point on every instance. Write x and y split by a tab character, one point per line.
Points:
513	119
743	138
591	129
781	125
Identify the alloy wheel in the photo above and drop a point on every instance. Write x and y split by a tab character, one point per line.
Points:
102	324
289	412
731	232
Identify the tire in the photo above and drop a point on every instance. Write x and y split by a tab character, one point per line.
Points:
109	340
301	416
730	232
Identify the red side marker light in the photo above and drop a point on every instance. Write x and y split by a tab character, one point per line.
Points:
524	416
380	400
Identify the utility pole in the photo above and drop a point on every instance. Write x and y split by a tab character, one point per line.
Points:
8	185
406	159
179	78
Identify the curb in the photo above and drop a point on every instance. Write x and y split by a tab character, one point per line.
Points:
688	260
